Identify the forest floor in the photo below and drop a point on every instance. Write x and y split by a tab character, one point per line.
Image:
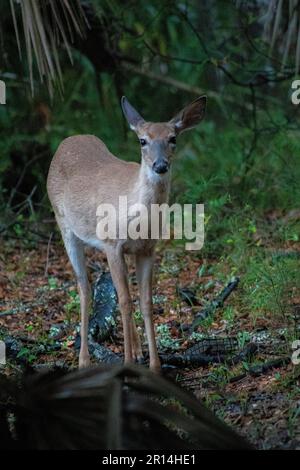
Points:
38	291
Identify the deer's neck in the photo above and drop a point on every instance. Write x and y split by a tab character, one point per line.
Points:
150	187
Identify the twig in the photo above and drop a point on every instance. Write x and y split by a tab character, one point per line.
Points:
22	208
168	81
48	252
21	308
27	164
194	90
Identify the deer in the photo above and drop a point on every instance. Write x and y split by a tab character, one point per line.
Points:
84	174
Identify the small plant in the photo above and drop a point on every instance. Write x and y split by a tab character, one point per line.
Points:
228	314
293	419
277	376
73	305
18	227
195	336
29	328
19	276
52	282
220	374
207	322
243	338
159	299
110	321
164	338
208	285
268	283
138	317
26	354
202	270
53	331
212	398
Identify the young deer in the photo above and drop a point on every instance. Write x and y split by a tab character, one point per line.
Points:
82	176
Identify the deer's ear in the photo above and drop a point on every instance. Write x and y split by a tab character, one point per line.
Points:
132	116
190	116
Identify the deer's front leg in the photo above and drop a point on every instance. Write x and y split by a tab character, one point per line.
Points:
144	271
118	270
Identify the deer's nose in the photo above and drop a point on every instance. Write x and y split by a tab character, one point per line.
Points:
160	166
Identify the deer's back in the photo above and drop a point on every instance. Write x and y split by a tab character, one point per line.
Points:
84	174
80	154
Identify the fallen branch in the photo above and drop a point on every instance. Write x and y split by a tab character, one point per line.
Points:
216	303
260	369
22	308
170	81
197	357
103	321
188	295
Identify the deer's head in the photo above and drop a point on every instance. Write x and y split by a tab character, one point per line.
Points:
158	140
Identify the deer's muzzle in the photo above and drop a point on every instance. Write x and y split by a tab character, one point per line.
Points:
160	166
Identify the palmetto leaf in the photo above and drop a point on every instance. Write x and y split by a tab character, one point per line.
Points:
281	21
47	25
111	407
283	24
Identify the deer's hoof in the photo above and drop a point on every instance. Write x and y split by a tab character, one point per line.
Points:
156	368
84	362
137	356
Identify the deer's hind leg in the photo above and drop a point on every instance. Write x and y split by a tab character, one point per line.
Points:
75	250
118	270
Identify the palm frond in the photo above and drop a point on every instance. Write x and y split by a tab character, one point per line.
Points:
47	25
110	407
282	25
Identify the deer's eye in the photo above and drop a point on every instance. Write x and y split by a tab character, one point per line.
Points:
172	140
143	142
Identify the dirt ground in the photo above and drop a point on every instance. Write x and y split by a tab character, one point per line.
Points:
38	291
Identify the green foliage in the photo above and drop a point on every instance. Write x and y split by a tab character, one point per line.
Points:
138	317
215	164
243	337
164	338
269	283
52	282
242	162
73	306
229	314
27	354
